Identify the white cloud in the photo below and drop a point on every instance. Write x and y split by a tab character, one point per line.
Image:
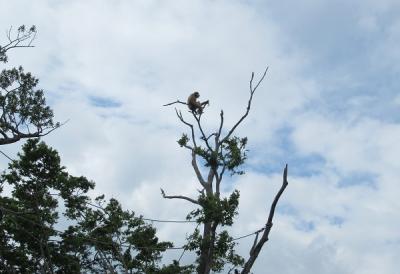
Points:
144	54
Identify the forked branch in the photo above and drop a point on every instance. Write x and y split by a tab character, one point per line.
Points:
17	135
23	39
203	135
194	161
252	90
180	116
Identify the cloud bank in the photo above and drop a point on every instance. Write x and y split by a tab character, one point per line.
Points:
329	107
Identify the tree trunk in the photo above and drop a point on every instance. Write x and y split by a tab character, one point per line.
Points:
207	252
205	260
254	253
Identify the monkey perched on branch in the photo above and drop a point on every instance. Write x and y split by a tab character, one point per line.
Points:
194	105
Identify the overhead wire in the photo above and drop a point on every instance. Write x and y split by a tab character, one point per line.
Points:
184	250
5	155
146	219
18	215
168	221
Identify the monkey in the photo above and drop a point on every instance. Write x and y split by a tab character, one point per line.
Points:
196	106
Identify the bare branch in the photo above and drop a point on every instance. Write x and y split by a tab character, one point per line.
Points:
106	262
254	243
252	90
17	135
188	147
219	177
9	34
180	116
256	248
220	124
203	135
251	81
261	79
209	136
15	42
210	176
33	38
194	161
197	170
4	134
176	102
212	172
178	197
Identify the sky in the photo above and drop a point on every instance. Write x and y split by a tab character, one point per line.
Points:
328	107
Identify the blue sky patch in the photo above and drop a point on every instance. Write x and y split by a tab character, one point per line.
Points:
358	179
305	226
103	102
285	152
286	209
336	220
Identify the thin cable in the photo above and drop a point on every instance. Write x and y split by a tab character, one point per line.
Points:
146	219
184	250
168	221
16	214
154	220
99	207
5	155
248	235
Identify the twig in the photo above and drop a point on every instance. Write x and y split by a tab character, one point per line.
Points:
15	42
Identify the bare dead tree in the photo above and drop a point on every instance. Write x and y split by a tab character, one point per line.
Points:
220	153
258	244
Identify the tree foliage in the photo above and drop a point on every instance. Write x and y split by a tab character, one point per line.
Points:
51	225
23	109
39	183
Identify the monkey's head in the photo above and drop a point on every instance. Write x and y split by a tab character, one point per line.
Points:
196	94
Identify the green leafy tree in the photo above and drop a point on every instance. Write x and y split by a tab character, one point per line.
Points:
121	242
23	109
98	236
213	155
39	183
